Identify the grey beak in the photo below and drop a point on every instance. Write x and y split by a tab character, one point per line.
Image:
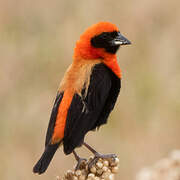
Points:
121	40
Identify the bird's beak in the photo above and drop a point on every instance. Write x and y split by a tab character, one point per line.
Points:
121	40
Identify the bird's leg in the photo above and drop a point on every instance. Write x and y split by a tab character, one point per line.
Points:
79	160
98	155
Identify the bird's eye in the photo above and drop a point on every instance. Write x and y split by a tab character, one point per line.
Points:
104	35
109	35
114	34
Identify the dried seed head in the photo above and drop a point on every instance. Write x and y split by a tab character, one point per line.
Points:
105	175
93	169
106	163
105	168
91	158
96	178
75	178
69	174
115	162
91	175
99	164
99	171
115	169
111	177
82	177
108	170
78	172
84	171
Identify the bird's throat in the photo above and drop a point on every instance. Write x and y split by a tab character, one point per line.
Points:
113	65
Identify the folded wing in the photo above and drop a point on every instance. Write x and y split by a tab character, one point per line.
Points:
88	111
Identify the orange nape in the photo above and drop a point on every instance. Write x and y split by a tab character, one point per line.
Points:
83	47
59	128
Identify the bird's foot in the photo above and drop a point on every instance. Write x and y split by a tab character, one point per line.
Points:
80	162
102	156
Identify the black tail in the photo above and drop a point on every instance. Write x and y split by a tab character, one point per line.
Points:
45	159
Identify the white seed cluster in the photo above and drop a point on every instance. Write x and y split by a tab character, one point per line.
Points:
103	169
165	169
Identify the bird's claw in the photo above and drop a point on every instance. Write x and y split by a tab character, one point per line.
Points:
102	156
80	161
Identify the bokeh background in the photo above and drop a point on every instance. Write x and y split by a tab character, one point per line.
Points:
36	46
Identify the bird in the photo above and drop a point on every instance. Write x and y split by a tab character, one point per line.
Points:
87	93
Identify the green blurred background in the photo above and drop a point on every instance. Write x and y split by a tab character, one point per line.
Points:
37	39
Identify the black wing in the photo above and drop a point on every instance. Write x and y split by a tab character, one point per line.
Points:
88	112
110	101
52	120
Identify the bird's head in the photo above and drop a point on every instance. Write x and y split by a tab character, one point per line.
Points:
98	41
